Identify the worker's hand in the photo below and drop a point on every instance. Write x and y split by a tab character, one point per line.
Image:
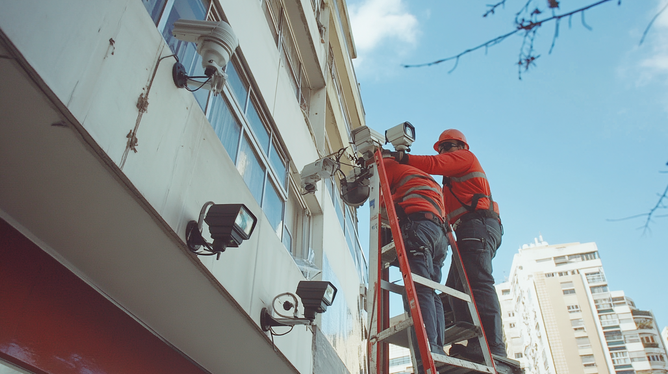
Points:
400	157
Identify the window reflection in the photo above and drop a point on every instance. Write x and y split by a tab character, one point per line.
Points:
226	126
251	169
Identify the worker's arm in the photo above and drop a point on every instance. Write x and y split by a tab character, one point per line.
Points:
448	164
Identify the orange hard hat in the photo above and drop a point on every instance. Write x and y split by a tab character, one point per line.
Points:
451	134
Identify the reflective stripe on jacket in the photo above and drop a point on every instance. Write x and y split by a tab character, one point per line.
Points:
414	190
467	179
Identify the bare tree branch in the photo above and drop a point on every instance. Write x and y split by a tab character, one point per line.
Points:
527	25
652	212
651	22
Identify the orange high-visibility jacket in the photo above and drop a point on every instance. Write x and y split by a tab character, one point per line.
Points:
414	190
467	179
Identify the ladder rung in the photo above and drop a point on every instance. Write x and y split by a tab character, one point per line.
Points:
461	331
505	365
451	365
389	254
393	334
437	286
396	288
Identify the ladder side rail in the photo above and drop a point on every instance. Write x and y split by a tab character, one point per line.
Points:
411	294
374	301
473	309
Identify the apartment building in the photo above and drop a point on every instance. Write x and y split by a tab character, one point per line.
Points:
560	316
105	161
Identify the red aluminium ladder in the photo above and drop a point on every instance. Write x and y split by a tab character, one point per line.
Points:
383	330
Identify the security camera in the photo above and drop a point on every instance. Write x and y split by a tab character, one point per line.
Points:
355	187
313	172
366	140
401	136
216	43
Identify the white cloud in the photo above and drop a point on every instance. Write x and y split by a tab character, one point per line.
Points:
377	21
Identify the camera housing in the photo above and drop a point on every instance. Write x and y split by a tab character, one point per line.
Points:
313	172
366	140
216	43
401	136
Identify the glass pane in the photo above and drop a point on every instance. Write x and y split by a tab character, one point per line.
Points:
186	51
287	239
187	10
154	8
278	165
259	130
273	208
251	169
226	126
239	89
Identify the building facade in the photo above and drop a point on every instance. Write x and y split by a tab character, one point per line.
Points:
105	161
560	316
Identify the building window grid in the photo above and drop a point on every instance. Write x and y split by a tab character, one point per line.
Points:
271	157
620	358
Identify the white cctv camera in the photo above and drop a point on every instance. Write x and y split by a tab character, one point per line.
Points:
366	140
216	43
313	172
401	136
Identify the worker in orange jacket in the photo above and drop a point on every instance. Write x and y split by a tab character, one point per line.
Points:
419	203
475	218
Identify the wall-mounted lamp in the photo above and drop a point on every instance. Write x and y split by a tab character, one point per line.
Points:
229	225
316	297
216	43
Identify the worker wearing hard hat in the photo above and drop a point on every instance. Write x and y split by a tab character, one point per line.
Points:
419	203
475	219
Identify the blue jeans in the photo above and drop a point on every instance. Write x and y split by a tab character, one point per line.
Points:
478	240
426	248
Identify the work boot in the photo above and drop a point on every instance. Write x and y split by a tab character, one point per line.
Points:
469	353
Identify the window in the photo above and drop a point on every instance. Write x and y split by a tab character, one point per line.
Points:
608	320
518	355
583	342
589	256
549	275
560	260
637	356
238	118
655	357
573	308
620	358
587	359
647	339
505	292
603	304
511	325
599	289
577	322
596	277
283	37
569	291
511	314
614	337
631	338
644	323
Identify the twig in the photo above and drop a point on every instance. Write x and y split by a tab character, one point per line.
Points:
521	25
659	205
651	22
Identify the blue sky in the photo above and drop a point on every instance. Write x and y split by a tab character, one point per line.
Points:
580	140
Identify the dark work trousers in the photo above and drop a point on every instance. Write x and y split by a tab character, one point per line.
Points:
477	240
426	248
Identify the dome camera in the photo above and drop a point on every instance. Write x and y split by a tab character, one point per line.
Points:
216	43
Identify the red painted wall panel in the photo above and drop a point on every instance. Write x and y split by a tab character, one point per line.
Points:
53	322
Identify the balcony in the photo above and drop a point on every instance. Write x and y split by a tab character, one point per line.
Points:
641	313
